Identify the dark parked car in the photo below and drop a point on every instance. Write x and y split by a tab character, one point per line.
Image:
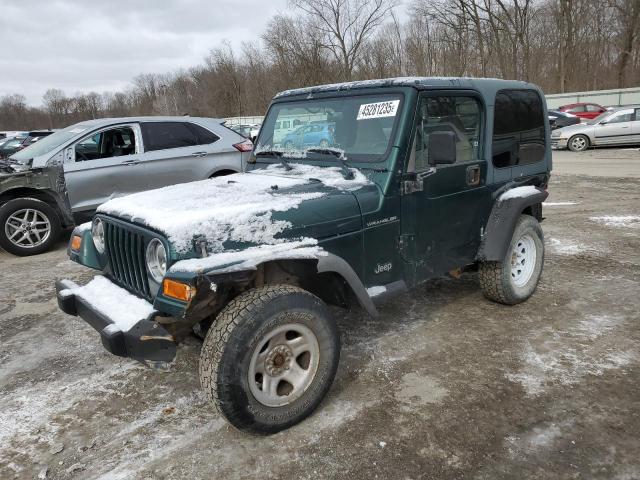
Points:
558	119
432	176
60	180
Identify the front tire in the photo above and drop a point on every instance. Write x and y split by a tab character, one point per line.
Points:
515	278
28	226
578	143
270	358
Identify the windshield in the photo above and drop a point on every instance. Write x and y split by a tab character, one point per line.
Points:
599	118
47	144
361	127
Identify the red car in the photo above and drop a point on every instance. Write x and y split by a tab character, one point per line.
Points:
584	110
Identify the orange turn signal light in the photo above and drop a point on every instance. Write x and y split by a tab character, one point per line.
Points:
180	291
76	242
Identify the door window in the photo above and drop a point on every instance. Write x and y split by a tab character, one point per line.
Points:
518	128
594	108
114	142
458	114
578	109
621	118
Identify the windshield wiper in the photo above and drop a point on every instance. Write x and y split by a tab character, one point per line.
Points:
346	172
277	154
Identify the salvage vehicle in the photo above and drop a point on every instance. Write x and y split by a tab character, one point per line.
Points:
427	176
60	180
620	126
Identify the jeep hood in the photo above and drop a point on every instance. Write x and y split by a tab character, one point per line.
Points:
269	206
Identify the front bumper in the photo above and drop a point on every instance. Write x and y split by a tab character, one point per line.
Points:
146	341
559	142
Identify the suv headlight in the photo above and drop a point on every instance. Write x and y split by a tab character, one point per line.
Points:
156	260
97	232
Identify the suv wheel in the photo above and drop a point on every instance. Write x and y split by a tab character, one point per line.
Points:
515	278
578	143
28	226
269	358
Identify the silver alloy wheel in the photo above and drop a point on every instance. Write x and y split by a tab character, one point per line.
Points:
578	143
523	260
27	228
284	365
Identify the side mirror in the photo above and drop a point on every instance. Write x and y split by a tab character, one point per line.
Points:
69	155
442	148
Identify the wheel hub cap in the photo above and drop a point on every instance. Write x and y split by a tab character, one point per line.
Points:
523	260
278	360
27	228
283	365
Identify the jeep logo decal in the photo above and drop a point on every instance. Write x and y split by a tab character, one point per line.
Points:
386	267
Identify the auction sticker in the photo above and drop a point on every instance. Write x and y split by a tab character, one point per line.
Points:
378	110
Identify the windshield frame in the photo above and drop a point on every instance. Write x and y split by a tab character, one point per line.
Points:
303	156
26	155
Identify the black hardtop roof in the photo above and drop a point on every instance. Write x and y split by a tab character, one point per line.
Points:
421	83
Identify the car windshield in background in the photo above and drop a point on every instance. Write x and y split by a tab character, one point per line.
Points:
48	143
599	118
359	126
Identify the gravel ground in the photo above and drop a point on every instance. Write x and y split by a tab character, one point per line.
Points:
443	385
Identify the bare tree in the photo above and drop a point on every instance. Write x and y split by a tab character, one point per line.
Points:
345	25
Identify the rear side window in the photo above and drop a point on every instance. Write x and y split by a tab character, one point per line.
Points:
165	135
203	135
518	128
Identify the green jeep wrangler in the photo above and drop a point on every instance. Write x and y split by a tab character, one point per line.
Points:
374	187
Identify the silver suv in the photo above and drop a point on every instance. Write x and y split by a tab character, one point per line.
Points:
61	180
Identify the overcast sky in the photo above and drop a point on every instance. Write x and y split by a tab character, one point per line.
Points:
99	45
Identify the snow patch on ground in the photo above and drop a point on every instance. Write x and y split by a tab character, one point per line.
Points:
519	192
562	357
27	412
620	221
122	308
537	439
248	258
377	290
567	247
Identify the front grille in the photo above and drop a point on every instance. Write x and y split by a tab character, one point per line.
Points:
126	251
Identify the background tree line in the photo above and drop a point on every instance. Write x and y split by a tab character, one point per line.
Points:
561	45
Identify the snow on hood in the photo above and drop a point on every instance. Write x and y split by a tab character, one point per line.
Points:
240	260
235	208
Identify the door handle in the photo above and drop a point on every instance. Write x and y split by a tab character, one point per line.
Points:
473	175
199	154
131	162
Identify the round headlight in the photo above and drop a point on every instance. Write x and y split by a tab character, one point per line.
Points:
97	232
156	260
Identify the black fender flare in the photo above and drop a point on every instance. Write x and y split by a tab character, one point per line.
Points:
335	264
502	222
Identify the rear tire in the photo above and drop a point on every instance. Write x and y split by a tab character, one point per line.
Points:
269	358
28	226
515	278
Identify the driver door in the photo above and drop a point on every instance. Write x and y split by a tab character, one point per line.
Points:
103	165
443	215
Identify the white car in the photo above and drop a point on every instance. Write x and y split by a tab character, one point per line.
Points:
620	126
